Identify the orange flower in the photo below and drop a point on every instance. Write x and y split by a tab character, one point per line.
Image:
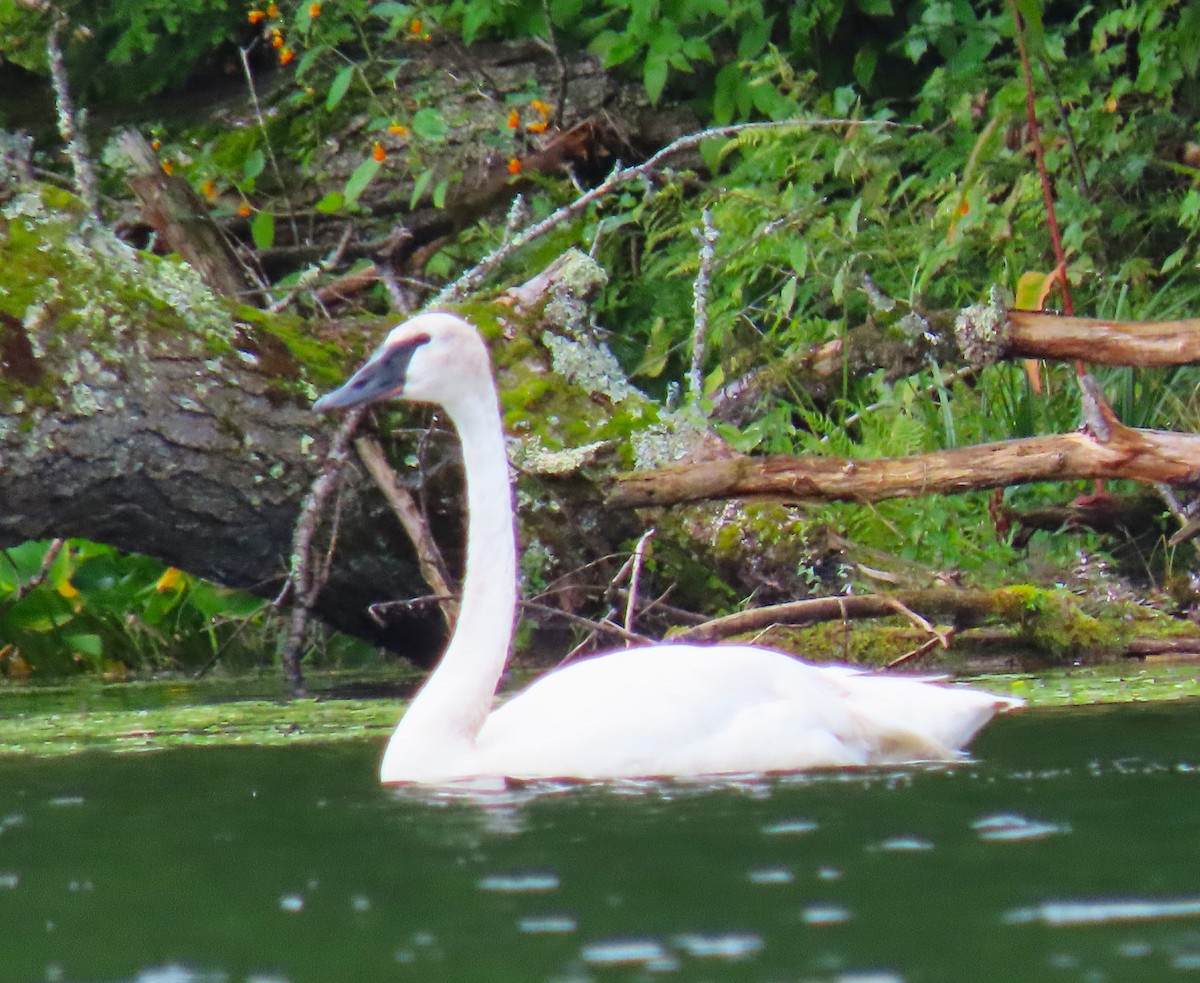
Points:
514	166
209	189
314	10
277	40
414	27
538	127
514	119
378	152
168	166
244	210
398	129
256	16
286	55
541	108
272	10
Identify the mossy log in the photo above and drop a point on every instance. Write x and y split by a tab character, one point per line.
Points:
139	409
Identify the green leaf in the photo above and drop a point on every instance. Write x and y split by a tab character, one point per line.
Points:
754	38
428	124
253	165
362	176
262	230
419	187
391	10
87	644
339	86
439	193
654	77
331	203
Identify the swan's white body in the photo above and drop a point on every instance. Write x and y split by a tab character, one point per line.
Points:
661	710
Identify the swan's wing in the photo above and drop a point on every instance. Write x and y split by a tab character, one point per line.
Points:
689	710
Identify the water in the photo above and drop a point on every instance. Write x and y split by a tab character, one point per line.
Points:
1067	851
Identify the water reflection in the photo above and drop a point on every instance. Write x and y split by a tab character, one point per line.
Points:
1066	851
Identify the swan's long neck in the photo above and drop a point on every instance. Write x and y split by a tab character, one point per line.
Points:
451	707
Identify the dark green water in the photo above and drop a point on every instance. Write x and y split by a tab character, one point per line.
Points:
1067	851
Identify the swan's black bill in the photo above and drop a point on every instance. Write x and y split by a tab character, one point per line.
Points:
380	377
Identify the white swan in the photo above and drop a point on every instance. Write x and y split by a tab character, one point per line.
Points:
660	710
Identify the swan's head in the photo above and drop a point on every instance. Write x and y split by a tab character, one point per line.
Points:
430	358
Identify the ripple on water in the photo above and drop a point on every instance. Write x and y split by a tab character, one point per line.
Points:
520	883
291	902
1060	914
770	875
790	827
825	914
646	952
905	844
719	945
547	924
1012	827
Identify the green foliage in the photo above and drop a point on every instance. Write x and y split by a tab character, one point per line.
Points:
102	611
125	51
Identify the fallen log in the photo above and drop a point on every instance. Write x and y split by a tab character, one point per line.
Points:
978	336
1102	448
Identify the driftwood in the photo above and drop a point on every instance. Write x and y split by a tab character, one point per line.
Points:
1103	448
976	336
960	610
963	608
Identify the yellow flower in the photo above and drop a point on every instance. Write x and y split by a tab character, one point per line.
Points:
172	579
67	589
1110	104
541	108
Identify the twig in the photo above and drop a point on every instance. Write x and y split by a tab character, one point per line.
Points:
36	581
708	236
635	575
602	627
559	64
308	277
429	557
1039	155
71	124
262	126
941	638
620	175
304	582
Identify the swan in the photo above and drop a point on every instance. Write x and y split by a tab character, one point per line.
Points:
663	710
